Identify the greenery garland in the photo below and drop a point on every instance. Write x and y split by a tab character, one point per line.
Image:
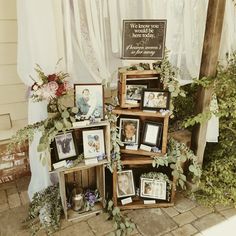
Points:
177	154
45	211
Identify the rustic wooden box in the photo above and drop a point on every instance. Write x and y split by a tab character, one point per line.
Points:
92	177
138	202
144	116
149	77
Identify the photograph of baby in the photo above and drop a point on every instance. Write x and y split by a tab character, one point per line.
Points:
129	130
155	99
65	146
93	143
151	188
125	183
134	92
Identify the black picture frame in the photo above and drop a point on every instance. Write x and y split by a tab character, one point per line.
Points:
95	108
152	134
65	147
155	99
130	124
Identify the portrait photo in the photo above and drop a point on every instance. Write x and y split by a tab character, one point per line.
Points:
134	92
89	100
153	99
93	143
129	130
152	188
152	134
125	183
65	146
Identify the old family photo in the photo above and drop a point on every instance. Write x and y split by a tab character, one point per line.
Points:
155	99
65	146
125	183
89	100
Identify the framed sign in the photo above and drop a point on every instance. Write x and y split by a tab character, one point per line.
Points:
144	39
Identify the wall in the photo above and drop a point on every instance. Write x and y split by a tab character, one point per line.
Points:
12	90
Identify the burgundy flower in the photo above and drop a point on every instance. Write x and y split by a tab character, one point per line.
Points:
60	90
52	77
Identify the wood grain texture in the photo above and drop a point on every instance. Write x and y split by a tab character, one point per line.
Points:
211	45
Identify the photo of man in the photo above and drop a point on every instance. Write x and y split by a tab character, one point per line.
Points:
129	130
134	92
149	100
125	184
89	100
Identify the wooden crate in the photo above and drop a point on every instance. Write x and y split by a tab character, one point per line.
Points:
136	77
138	202
105	125
144	116
86	177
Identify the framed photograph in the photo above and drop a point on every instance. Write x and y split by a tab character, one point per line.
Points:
152	134
65	147
125	183
129	130
134	92
153	99
93	143
152	188
89	99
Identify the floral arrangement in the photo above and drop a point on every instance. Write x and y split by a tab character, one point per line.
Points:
91	197
49	87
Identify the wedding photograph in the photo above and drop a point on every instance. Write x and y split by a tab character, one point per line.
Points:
89	100
134	92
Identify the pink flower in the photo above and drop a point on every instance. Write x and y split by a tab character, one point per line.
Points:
60	90
53	86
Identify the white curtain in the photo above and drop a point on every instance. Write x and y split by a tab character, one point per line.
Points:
39	41
94	34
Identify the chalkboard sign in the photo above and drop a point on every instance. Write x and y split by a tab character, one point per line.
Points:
144	39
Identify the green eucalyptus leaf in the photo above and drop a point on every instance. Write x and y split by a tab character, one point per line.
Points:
65	114
118	232
75	110
59	125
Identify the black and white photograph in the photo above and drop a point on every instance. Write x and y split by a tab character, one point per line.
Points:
65	146
129	130
125	183
152	133
93	143
152	188
89	100
155	100
134	92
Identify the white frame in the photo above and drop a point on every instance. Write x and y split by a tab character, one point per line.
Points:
131	182
100	133
156	192
136	133
60	154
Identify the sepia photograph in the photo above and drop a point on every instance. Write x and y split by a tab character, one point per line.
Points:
134	92
89	100
93	143
125	183
65	146
152	188
129	130
155	99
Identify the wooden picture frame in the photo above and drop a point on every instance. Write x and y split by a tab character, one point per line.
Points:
153	188
154	99
125	184
152	134
89	98
93	143
65	147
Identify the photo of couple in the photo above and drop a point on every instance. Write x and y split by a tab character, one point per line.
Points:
154	99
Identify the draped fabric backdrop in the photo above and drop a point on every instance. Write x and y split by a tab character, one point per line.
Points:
88	35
